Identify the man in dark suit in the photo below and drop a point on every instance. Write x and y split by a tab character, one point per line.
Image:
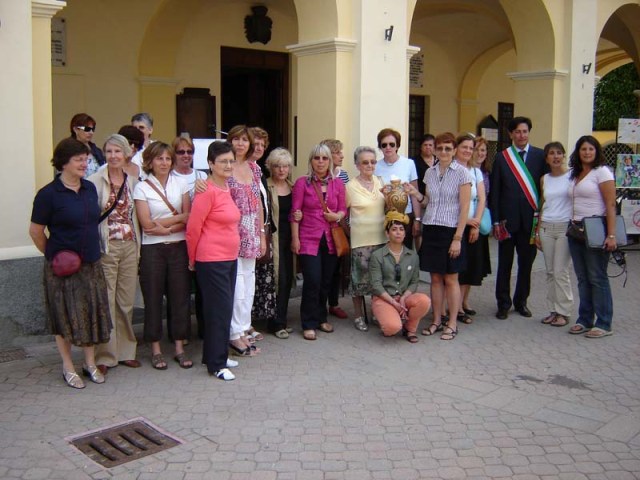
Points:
511	198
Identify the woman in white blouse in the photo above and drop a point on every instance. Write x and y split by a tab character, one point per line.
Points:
551	236
163	204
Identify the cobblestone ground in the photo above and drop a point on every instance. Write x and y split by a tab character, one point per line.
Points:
505	399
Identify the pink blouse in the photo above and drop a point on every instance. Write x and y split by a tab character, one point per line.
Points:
313	225
247	198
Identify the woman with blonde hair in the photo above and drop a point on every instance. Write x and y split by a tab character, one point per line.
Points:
120	239
280	187
311	237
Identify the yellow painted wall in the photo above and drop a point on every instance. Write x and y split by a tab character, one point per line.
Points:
102	76
495	86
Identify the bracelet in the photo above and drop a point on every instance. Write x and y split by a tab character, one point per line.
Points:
457	237
611	236
421	200
262	230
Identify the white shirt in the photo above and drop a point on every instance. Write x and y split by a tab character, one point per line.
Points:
586	195
191	178
404	168
557	203
176	188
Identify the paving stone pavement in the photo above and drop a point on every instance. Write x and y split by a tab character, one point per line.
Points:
506	399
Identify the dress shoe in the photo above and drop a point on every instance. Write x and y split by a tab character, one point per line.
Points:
524	311
93	373
338	312
102	368
130	363
502	314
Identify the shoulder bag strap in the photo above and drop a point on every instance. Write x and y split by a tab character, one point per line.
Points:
319	193
118	197
163	197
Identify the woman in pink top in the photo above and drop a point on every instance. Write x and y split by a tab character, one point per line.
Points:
213	243
311	237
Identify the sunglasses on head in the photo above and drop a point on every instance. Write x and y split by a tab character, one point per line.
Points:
182	152
398	272
390	144
86	128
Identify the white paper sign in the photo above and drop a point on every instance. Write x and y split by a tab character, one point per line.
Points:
490	134
630	210
58	42
629	130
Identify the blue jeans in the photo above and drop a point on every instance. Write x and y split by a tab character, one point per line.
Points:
590	266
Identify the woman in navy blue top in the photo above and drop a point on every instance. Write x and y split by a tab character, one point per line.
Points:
77	305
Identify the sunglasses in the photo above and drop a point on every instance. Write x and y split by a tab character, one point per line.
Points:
367	162
390	144
182	152
398	271
86	129
444	149
318	157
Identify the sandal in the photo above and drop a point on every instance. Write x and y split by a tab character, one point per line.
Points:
596	332
309	334
431	329
560	321
578	329
549	318
326	327
72	379
410	336
255	334
158	362
183	360
240	352
282	334
464	318
469	311
448	333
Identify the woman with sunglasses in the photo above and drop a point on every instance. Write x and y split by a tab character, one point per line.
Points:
447	199
82	128
366	216
311	236
395	274
394	165
183	146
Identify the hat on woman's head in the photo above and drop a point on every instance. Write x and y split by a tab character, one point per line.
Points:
393	216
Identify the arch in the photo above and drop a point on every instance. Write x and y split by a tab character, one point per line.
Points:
620	24
609	59
471	80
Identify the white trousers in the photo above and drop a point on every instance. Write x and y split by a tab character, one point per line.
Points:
557	259
243	297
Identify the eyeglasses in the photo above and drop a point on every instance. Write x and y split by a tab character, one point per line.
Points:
86	128
282	167
444	149
182	152
226	162
320	157
390	144
398	271
367	162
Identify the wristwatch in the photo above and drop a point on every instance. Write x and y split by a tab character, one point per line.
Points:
611	236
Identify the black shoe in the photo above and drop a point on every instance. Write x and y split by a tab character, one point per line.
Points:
502	314
524	311
469	311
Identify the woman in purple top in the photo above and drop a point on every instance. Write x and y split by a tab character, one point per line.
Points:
311	237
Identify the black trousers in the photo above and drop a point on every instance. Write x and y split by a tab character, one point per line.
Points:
519	242
317	271
164	271
217	281
285	280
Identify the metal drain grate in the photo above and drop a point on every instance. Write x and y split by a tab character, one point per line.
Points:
125	442
12	355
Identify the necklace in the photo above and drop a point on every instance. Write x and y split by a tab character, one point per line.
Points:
72	186
368	184
397	254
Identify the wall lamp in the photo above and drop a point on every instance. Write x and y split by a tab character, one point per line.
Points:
388	33
586	68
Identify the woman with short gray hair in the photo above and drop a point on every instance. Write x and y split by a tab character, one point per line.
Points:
365	202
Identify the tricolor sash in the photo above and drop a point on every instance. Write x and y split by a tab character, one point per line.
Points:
528	186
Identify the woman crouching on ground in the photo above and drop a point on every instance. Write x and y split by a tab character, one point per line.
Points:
395	273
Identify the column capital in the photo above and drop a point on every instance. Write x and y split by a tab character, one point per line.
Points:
412	50
554	74
46	8
325	45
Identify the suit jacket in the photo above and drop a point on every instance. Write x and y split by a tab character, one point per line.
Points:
507	200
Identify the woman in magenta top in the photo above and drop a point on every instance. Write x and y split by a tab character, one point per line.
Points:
213	243
311	237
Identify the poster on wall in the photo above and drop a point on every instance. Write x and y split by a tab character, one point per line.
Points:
629	130
58	42
630	210
416	71
628	171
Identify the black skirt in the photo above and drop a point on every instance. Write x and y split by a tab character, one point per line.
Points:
478	260
434	252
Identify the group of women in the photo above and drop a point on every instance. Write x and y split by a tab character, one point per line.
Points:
235	235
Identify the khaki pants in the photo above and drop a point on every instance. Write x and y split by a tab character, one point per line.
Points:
121	273
557	259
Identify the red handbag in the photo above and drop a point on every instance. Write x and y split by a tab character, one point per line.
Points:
66	263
